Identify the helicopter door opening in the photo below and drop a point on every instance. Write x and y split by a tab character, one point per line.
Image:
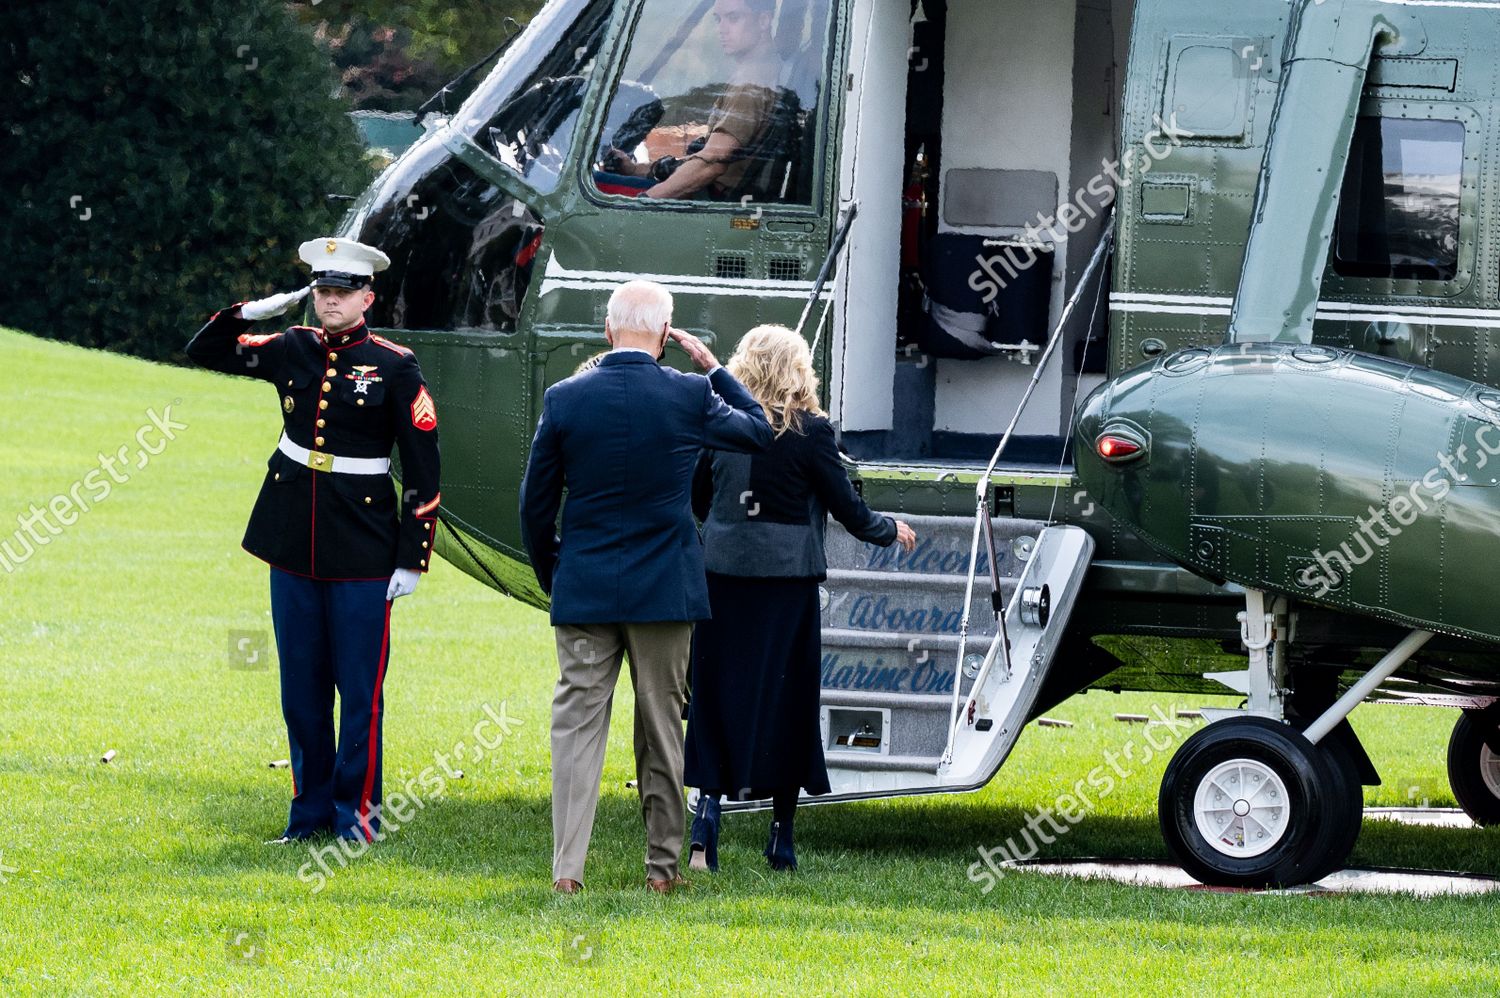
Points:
976	142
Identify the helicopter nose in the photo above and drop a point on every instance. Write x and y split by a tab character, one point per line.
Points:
1107	439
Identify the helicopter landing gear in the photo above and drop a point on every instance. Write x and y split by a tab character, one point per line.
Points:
1257	799
1246	802
1474	765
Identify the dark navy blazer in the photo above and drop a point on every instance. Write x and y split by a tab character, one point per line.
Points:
624	439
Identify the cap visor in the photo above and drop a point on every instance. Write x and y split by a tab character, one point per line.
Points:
330	279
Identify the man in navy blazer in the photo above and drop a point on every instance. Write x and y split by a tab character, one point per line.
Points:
626	575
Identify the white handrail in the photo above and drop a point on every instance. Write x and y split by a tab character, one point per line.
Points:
982	498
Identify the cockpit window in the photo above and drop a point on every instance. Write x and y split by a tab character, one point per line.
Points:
1400	208
718	101
528	125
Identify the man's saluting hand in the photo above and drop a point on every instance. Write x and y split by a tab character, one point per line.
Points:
264	308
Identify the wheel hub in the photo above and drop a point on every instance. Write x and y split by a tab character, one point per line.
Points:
1241	808
1489	769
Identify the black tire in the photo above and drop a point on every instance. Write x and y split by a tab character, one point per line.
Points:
1468	760
1304	841
1346	810
1346	807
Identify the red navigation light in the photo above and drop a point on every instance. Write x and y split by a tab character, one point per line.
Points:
1113	447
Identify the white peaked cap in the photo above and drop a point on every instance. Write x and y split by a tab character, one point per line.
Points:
335	256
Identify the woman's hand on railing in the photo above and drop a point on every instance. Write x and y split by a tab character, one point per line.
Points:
905	536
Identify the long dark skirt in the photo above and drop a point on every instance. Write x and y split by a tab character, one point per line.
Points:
753	722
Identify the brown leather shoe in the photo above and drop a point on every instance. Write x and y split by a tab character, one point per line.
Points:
566	886
668	886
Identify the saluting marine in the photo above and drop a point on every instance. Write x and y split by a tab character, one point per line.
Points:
327	522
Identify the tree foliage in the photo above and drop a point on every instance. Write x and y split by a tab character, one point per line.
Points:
451	33
393	54
163	158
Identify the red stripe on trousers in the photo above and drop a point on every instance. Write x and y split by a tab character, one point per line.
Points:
312	526
364	797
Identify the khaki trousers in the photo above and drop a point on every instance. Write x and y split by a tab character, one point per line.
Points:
589	657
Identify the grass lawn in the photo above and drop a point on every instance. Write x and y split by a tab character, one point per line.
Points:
148	874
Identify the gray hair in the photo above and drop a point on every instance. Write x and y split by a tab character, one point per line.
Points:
640	307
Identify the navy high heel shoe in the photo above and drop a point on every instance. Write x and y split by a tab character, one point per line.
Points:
779	851
704	840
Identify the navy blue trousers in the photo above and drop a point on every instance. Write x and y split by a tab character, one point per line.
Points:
332	636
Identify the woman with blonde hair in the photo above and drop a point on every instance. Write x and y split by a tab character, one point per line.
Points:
753	721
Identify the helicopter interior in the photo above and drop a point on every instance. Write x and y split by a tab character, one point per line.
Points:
952	291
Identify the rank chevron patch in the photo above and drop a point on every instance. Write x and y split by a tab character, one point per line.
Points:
423	411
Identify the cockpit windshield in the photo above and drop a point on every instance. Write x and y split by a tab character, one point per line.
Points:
718	101
525	113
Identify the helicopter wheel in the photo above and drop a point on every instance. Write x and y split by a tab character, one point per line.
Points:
1346	808
1247	802
1474	767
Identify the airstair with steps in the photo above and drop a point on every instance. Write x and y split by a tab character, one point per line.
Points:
891	625
890	636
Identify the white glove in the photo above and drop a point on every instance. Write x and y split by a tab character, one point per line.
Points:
403	583
264	308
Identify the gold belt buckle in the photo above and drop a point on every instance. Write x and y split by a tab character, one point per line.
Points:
318	461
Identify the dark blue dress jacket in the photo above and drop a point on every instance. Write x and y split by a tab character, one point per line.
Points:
624	439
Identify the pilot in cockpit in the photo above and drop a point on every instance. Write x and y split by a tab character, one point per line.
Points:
732	159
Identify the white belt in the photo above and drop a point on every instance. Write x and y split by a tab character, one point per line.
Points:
319	461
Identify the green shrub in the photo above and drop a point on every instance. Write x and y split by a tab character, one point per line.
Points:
162	158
